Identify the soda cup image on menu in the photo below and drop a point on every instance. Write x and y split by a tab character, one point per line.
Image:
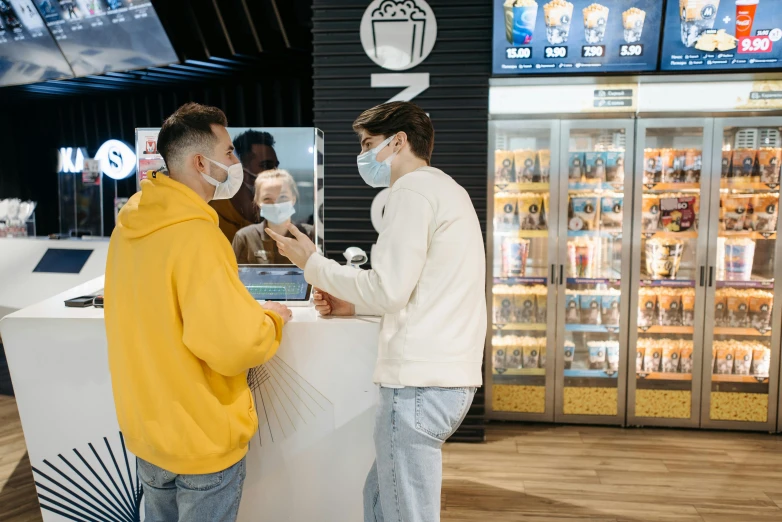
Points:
595	21
745	17
520	18
697	17
558	14
633	21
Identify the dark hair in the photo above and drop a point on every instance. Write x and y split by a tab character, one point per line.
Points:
245	141
189	127
389	118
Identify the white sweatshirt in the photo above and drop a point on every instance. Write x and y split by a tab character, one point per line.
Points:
428	281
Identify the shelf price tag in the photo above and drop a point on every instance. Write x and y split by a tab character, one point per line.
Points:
555	52
626	50
755	44
593	51
518	53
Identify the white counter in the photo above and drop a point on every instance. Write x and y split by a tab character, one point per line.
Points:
315	404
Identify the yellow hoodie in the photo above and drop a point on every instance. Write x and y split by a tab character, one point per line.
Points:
182	332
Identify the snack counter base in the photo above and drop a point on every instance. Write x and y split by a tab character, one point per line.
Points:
315	403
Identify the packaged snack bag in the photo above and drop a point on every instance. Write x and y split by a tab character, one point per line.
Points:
611	212
609	308
498	354
647	307
530	211
514	357
572	307
531	353
678	214
670	307
524	161
597	355
652	166
653	357
760	307
769	161
584	212
735	212
544	165
570	354
739	258
743	165
761	360
505	210
693	162
541	295
612	355
671	354
503	307
663	257
542	350
595	163
688	306
742	359
727	164
515	251
590	308
615	166
685	356
524	309
725	358
640	352
721	307
544	215
576	168
765	210
650	217
667	162
738	308
503	165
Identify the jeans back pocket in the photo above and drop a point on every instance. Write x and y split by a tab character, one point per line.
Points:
438	411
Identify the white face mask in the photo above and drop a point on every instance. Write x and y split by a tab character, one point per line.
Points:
277	213
228	188
376	173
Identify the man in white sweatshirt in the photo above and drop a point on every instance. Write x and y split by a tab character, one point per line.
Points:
428	283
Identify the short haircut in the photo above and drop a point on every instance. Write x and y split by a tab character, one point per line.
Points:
189	128
389	118
268	175
245	141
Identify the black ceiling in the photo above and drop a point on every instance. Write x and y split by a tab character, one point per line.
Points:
213	39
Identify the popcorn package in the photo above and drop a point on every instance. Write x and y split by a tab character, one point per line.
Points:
597	355
615	166
721	307
572	307
685	356
647	307
541	293
688	306
498	358
769	161
524	160
663	257
669	307
531	352
503	305
650	217
503	167
727	164
668	173
530	211
590	307
544	165
576	167
739	258
761	360
736	209
640	352
524	306
671	351
765	209
611	212
505	210
584	212
595	167
738	307
570	354
612	355
743	165
725	355
652	166
742	359
653	355
760	307
609	308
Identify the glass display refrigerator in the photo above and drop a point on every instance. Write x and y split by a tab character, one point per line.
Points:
558	298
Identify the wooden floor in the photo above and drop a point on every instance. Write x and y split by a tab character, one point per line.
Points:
552	474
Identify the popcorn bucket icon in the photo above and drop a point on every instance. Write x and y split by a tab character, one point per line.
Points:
398	34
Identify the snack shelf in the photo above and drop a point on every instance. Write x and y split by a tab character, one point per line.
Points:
749	379
591	374
671	186
689	234
520	372
592	281
750	332
591	328
670	283
748	233
521	187
520	280
520	380
680	330
660	376
746	284
747	185
595	187
534	327
612	234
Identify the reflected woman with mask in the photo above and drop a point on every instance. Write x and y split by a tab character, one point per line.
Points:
276	195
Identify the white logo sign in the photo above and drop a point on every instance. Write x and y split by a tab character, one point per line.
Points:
398	34
117	159
70	163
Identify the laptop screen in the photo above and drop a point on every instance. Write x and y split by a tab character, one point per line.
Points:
275	282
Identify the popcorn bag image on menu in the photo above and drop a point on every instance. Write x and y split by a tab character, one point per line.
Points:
633	21
595	22
697	17
399	34
559	15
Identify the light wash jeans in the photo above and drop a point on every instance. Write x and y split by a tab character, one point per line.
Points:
405	481
169	497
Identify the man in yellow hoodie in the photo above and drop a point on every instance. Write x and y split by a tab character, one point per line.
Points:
183	331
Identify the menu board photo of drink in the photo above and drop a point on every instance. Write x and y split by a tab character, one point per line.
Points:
722	34
582	36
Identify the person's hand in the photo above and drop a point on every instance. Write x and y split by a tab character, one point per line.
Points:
279	309
298	248
327	304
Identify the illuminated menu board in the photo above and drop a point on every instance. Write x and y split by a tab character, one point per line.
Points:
582	36
722	34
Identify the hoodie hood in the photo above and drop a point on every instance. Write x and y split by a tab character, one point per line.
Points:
161	203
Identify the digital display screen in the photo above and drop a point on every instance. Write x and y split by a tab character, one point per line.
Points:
28	53
582	36
275	283
62	261
98	36
713	35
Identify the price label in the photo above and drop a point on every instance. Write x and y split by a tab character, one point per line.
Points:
593	51
755	44
518	53
631	50
555	52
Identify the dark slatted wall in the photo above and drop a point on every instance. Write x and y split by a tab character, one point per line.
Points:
457	101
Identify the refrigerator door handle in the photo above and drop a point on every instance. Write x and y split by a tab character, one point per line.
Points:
703	275
553	280
561	274
711	276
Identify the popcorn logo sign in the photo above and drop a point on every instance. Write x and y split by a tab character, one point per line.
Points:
398	34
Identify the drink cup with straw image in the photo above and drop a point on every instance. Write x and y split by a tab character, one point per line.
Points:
520	18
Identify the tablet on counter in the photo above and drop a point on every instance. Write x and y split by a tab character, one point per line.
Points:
281	283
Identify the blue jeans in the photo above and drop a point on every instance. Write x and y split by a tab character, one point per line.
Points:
169	497
405	481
